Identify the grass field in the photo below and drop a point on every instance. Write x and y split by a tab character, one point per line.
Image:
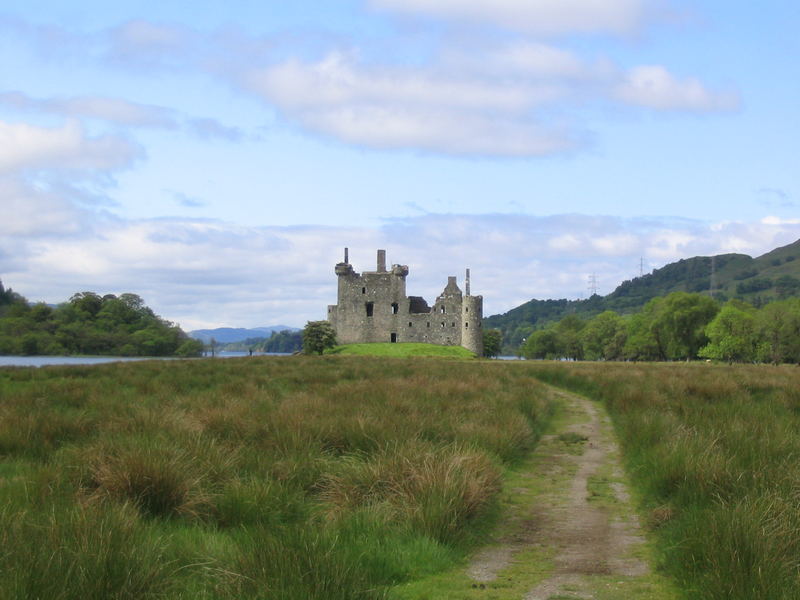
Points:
294	478
340	477
713	451
402	350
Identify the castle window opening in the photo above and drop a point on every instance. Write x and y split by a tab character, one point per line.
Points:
442	324
429	324
363	290
395	308
410	324
466	325
393	338
466	310
370	308
452	325
442	309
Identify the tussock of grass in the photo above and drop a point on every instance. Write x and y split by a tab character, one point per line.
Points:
159	479
79	552
435	490
712	449
295	478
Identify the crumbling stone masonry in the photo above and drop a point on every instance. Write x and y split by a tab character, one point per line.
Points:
373	307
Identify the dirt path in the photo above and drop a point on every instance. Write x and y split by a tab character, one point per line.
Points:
580	523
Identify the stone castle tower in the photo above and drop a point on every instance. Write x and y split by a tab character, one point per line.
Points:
373	307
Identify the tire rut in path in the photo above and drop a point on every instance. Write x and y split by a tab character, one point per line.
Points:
588	539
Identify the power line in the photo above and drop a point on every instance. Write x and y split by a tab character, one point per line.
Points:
593	284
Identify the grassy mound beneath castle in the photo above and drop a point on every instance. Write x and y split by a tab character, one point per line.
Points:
298	478
402	350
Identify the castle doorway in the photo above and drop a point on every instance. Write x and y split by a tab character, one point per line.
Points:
394	338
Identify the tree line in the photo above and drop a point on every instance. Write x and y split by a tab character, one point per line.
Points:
89	324
279	341
679	326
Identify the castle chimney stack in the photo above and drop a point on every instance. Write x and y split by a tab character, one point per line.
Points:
381	261
466	284
346	257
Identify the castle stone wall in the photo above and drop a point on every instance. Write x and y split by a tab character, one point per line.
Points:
373	307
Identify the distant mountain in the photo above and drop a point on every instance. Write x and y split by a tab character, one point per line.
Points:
226	335
775	274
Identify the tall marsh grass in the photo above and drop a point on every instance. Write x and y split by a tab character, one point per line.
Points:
715	452
301	477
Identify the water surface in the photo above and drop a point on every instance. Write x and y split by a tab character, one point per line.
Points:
43	361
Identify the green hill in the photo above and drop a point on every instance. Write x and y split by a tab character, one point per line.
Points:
773	275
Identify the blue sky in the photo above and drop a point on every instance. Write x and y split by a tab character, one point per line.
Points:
215	157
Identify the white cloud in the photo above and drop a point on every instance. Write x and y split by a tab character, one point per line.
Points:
772	220
143	44
667	243
487	96
533	16
653	86
337	80
208	273
114	110
615	245
413	108
120	112
513	99
29	211
24	146
213	129
442	131
527	59
567	241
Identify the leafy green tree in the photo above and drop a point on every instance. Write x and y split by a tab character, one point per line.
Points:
644	342
786	286
30	344
778	331
87	303
88	324
318	336
680	324
492	342
189	348
541	344
283	341
604	337
568	334
732	334
519	335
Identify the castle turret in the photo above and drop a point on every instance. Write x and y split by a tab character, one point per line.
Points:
381	261
472	320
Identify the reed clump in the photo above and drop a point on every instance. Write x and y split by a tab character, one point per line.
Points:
300	477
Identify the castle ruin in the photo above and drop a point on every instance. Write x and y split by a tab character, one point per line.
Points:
373	307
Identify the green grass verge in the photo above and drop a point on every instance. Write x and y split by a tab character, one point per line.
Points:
712	453
402	350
